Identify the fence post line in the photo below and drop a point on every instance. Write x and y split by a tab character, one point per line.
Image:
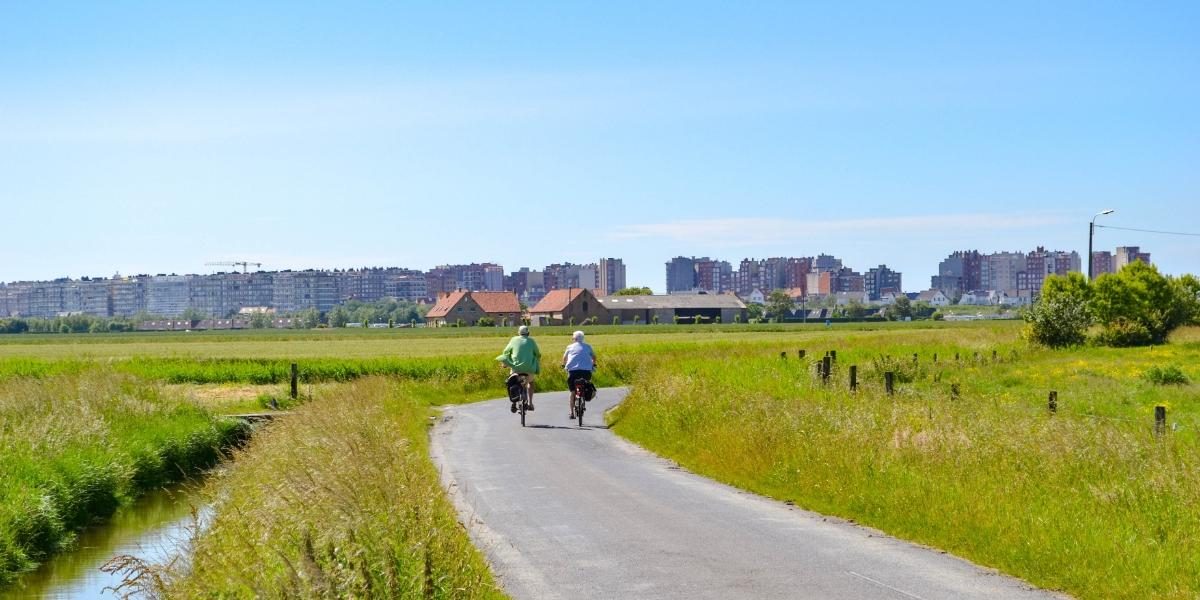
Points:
1053	401
295	380
1160	420
853	378
889	383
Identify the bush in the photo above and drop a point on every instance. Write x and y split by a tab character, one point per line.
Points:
486	322
1168	375
1057	322
1140	306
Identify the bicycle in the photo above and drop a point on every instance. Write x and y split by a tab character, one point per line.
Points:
523	403
578	399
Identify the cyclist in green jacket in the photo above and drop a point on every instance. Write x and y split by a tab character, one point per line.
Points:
522	357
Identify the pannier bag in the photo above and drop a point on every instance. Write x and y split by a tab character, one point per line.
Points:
514	387
589	390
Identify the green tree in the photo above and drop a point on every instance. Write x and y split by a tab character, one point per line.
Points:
900	309
260	320
1139	306
338	317
634	291
308	318
856	310
1061	316
779	305
486	322
754	312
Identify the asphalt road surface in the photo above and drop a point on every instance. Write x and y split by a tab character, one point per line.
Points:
568	512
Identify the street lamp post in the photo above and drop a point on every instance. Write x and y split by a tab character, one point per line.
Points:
1091	234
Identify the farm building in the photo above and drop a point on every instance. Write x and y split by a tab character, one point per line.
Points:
569	307
688	307
469	307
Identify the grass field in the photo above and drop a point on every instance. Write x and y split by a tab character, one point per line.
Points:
1088	500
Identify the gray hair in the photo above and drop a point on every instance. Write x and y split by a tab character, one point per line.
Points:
523	330
577	336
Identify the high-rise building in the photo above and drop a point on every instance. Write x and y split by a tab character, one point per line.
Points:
1042	263
167	295
998	270
1128	254
881	280
1102	263
681	274
959	273
713	276
612	275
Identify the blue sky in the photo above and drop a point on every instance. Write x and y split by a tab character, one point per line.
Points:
155	137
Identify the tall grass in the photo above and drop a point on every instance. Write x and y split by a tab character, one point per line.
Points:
1088	500
339	499
75	446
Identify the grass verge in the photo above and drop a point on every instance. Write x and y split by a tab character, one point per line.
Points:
75	446
339	499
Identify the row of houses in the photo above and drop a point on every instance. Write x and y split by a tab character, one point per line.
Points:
581	305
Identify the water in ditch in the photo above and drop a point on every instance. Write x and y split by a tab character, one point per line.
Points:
154	528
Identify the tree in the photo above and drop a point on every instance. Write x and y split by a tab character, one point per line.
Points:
338	317
260	320
634	291
1140	306
779	305
856	310
901	308
486	322
754	312
308	318
1061	316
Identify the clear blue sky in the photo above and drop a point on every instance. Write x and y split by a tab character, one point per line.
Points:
153	137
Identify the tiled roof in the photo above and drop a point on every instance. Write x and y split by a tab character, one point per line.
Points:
556	300
445	304
497	302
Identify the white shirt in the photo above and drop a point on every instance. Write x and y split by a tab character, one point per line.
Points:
579	357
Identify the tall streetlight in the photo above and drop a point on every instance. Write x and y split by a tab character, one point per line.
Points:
1091	234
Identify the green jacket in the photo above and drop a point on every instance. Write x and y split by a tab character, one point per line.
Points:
522	355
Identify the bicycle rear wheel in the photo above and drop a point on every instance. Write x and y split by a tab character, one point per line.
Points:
524	403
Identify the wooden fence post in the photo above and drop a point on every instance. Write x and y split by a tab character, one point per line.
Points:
295	380
783	355
954	390
853	378
833	355
825	368
1160	420
889	382
1053	402
800	353
914	358
935	358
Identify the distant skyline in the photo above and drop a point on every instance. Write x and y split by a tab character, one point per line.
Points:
155	137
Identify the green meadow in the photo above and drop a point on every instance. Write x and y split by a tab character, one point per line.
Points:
965	455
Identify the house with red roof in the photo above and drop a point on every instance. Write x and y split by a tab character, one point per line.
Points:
573	306
468	307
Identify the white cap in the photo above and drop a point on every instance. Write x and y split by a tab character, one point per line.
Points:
523	330
577	336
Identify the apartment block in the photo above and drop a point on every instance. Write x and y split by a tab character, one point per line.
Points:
612	275
1129	254
881	280
1102	263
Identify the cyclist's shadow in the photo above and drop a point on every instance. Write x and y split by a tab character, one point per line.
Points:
574	428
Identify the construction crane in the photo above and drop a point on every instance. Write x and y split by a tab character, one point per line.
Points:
237	263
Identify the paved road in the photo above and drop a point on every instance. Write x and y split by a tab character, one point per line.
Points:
568	512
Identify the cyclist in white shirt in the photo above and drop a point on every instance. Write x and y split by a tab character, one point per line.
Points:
579	362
